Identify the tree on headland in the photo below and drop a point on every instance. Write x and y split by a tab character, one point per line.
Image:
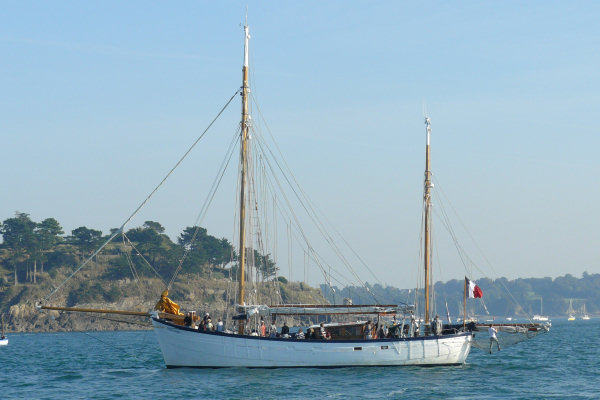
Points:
151	239
203	250
19	239
48	236
85	239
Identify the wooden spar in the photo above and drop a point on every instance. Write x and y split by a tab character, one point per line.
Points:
244	161
96	310
323	309
104	311
344	306
427	200
332	313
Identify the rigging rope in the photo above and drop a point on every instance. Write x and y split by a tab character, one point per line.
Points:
291	215
305	203
120	230
462	252
309	207
207	202
143	258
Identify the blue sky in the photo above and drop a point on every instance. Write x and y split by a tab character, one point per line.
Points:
99	100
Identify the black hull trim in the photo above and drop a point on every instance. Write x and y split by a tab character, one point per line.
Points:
328	367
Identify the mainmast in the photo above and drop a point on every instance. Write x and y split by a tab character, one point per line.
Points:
244	172
427	204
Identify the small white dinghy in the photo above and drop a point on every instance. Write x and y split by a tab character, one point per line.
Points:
3	339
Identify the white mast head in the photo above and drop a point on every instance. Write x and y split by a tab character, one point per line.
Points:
428	125
247	31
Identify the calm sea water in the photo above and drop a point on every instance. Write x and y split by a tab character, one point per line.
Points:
105	365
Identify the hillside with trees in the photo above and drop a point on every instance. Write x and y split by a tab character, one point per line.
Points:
520	297
133	269
130	272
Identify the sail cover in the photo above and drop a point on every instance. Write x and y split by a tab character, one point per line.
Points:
167	305
326	309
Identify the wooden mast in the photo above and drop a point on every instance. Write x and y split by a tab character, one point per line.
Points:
244	172
427	201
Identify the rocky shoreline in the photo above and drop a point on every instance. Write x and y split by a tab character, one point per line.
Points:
21	315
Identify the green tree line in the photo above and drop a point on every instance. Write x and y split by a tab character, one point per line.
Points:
501	297
29	248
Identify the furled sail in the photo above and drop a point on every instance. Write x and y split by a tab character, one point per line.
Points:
167	305
325	309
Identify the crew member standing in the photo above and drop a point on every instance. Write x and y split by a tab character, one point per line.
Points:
492	331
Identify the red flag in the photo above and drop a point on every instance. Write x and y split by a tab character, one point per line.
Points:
473	291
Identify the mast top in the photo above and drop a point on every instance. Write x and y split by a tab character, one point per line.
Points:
428	125
247	38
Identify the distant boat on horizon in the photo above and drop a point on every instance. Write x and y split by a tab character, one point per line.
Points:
3	339
584	314
540	316
571	311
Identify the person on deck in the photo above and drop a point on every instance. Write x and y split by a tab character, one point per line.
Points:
414	326
437	325
220	326
322	333
273	330
285	330
300	334
368	334
263	329
381	333
187	321
492	331
209	325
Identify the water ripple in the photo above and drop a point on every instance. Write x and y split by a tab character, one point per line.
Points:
561	364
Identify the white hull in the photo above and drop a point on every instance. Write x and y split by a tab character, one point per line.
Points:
4	342
184	347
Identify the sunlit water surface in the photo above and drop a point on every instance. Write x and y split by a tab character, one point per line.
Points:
105	365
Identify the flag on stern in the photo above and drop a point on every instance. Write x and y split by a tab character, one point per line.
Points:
473	291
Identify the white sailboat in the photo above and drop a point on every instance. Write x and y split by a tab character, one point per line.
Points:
584	313
342	345
3	338
412	339
540	317
571	311
187	347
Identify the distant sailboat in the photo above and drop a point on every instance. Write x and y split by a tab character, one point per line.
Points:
571	311
584	314
3	339
540	316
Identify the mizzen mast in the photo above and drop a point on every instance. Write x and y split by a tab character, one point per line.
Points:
427	205
243	177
